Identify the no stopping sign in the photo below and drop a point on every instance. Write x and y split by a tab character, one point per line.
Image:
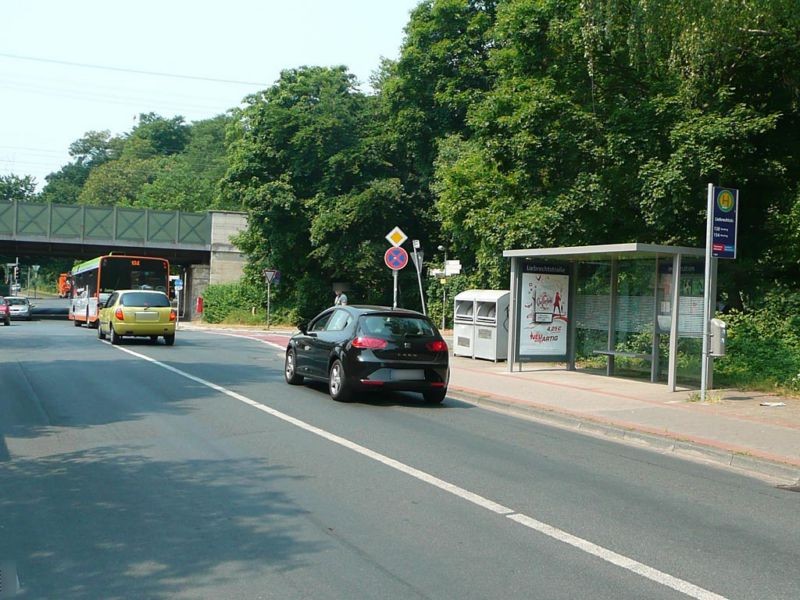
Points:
395	258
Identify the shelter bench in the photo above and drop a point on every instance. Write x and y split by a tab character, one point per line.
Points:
624	354
612	354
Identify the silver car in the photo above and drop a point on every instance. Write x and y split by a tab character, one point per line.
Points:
20	307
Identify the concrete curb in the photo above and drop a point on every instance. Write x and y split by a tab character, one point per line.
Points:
664	444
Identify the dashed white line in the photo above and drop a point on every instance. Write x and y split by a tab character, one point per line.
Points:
622	561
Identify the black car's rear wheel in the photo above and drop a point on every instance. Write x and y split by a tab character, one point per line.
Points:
337	383
290	369
436	396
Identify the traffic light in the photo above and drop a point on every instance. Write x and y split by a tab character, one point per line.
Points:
16	273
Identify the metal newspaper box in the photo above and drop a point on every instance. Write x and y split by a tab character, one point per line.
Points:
481	324
464	324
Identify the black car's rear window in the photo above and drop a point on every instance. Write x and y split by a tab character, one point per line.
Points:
144	299
393	326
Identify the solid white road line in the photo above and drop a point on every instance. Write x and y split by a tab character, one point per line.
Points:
246	336
624	562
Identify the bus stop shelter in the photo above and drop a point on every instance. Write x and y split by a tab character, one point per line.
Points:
610	299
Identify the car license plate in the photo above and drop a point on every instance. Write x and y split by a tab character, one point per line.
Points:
408	374
147	317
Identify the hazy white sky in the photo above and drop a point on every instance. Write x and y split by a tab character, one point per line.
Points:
45	106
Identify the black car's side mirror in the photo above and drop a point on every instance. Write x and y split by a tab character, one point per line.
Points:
303	327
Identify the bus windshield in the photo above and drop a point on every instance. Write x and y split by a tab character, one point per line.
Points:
120	273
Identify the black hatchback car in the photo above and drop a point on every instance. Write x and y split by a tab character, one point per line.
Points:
369	348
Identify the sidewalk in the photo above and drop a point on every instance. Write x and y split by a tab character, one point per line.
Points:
735	430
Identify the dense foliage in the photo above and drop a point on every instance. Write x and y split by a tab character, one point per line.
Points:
764	344
161	163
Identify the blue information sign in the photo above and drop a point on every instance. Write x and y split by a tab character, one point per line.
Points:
724	221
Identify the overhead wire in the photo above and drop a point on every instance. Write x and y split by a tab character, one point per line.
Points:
128	70
110	94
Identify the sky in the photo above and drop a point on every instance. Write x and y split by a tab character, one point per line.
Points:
46	104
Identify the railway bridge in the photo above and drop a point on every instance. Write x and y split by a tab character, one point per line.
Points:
199	243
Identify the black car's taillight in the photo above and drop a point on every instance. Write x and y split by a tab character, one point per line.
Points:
437	346
371	343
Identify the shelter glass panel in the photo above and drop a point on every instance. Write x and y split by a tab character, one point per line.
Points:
592	307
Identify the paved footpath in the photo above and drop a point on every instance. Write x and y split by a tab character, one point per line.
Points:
735	429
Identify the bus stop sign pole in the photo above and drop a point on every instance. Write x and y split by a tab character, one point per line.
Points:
721	232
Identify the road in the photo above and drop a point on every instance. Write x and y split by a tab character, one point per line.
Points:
193	471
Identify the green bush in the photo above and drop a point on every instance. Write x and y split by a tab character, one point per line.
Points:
763	348
219	301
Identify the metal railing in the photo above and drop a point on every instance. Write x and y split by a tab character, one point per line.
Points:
92	224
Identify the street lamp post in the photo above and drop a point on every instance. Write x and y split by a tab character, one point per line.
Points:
444	288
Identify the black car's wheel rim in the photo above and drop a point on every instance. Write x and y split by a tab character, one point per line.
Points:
336	379
289	365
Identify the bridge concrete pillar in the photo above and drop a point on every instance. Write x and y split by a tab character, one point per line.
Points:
195	286
227	261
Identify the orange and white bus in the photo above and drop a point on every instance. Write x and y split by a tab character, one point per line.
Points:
93	281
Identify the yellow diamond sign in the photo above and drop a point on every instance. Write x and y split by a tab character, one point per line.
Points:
396	237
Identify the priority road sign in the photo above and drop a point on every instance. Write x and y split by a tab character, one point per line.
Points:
395	258
396	237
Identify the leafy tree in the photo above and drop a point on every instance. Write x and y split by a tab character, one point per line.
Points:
64	186
606	119
188	180
14	187
156	136
308	164
92	150
441	72
120	182
95	148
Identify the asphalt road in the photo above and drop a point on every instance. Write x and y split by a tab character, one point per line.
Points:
194	471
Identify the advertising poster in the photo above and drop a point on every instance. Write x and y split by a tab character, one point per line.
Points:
543	311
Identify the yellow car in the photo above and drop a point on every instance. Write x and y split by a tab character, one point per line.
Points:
139	313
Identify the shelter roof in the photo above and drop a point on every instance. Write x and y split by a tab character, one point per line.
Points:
629	251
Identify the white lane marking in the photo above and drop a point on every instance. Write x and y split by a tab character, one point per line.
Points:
245	336
616	559
620	560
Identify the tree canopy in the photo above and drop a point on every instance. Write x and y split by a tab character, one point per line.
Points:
502	123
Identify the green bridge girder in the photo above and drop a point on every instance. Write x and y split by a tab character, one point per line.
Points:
112	226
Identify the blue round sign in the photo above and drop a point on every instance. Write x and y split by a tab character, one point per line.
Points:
395	258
